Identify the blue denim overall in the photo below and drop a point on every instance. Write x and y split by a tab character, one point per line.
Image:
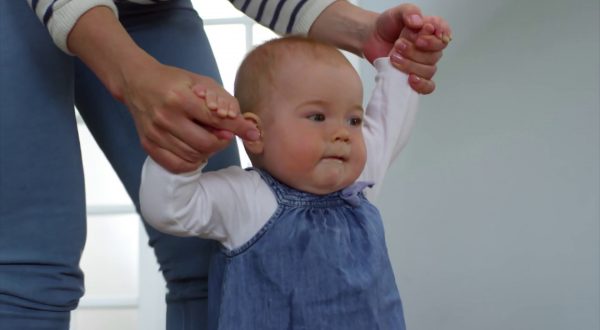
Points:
320	262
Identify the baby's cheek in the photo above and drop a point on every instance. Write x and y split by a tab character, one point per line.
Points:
299	158
361	153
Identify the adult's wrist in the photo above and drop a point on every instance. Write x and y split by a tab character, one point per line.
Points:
60	17
345	26
103	44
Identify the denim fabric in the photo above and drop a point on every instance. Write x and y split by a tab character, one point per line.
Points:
320	262
42	198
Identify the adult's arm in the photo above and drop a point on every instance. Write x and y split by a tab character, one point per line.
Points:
362	32
373	35
160	98
59	17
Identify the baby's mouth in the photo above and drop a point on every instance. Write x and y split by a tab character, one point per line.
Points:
335	158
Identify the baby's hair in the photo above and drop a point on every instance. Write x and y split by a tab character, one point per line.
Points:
255	77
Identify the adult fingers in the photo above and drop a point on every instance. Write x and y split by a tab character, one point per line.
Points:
172	125
203	139
420	85
434	36
391	22
169	160
405	65
424	42
198	112
408	50
442	28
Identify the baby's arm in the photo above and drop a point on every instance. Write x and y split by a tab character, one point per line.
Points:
389	118
228	205
391	113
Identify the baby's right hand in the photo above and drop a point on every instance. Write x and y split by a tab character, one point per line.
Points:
218	101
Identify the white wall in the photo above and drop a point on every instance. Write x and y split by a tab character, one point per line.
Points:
492	211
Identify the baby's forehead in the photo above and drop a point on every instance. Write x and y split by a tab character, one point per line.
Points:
314	54
293	48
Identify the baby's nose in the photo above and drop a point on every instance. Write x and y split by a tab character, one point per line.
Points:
341	134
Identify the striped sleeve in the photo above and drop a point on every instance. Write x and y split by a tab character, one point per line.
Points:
59	16
283	16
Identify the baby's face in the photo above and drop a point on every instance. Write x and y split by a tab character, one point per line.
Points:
312	130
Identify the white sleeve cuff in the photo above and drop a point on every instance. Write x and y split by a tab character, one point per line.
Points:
66	15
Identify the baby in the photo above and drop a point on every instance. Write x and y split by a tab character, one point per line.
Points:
303	246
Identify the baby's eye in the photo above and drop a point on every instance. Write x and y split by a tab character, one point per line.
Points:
356	121
317	117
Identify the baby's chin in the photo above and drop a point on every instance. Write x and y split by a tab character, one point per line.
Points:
323	187
319	182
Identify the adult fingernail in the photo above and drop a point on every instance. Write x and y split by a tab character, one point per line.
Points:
446	39
225	135
396	58
401	46
415	78
416	19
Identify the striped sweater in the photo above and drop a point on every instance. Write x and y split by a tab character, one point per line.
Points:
281	16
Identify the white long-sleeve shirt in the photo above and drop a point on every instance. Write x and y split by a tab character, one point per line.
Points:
231	205
283	17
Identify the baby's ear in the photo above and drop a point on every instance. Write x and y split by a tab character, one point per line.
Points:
254	147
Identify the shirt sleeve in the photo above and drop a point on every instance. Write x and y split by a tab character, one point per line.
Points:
389	119
283	16
59	16
230	205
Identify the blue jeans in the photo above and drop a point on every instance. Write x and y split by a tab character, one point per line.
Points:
42	197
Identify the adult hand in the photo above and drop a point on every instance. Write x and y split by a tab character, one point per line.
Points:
417	42
372	35
175	126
